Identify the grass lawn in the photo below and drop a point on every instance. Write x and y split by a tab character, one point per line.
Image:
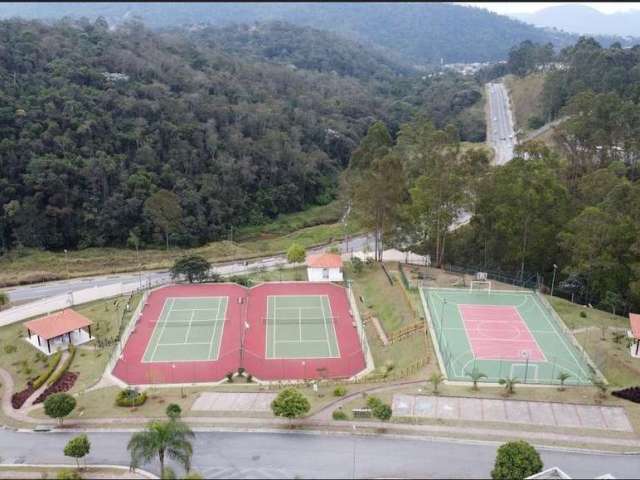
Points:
89	362
279	275
381	299
306	228
571	314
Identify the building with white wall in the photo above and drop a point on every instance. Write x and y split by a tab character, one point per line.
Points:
324	267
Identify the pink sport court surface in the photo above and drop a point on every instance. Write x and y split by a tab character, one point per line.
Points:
502	334
274	331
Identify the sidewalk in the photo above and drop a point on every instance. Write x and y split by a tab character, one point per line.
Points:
321	421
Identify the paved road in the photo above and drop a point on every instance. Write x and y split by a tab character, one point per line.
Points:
40	290
500	134
299	455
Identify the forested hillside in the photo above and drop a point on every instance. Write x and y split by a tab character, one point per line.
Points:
109	136
424	33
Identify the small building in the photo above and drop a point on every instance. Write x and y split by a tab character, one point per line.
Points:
58	330
324	267
634	334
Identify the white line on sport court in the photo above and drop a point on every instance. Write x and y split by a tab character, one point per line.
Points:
217	327
164	325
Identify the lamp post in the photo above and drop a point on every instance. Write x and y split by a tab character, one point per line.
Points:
526	365
66	261
444	302
553	282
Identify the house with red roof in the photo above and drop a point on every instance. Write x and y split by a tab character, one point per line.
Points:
58	330
324	267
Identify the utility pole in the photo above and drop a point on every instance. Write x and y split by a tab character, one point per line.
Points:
553	282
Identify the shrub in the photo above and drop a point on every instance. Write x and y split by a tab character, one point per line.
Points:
534	122
373	402
65	366
53	363
382	411
339	391
68	474
229	377
339	415
130	398
78	447
357	265
583	314
10	349
296	253
516	460
249	378
173	410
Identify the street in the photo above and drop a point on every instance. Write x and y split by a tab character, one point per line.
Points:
308	455
40	290
500	134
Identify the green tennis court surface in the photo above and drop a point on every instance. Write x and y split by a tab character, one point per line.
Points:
189	329
502	334
300	326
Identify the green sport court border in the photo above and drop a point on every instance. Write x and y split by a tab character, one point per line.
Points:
287	338
455	354
192	347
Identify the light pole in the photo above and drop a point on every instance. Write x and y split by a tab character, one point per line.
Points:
444	302
66	262
553	282
526	365
173	366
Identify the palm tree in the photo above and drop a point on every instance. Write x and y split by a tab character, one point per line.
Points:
600	385
476	375
436	379
163	438
563	376
509	384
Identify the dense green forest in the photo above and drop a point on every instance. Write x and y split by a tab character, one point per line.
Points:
423	33
129	135
576	206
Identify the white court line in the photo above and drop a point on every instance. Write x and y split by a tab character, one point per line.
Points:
164	305
186	336
215	331
326	330
300	324
194	309
273	326
164	326
303	342
182	344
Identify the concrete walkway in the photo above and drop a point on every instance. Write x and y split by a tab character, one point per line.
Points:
551	414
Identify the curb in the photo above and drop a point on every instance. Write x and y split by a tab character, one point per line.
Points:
142	472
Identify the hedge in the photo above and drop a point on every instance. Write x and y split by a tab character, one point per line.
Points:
65	366
125	398
53	363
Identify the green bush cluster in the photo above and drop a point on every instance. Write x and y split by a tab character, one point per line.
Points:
130	398
339	415
10	349
339	391
53	363
65	366
379	409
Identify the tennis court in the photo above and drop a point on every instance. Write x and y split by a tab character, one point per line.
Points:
188	329
300	326
502	334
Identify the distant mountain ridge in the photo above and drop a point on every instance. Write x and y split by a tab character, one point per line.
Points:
422	33
585	20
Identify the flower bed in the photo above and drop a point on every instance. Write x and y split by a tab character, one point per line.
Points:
18	398
64	384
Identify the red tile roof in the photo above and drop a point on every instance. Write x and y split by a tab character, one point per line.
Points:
634	319
324	260
57	324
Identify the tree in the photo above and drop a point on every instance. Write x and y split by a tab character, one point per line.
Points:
601	385
173	411
375	182
59	405
563	377
163	207
476	375
296	253
194	267
78	447
516	460
436	379
290	403
165	439
509	384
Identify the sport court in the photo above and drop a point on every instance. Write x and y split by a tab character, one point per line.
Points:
502	334
188	329
300	326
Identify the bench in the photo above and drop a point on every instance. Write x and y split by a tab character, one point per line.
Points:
361	413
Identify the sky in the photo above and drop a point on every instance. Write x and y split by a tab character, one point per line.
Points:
508	8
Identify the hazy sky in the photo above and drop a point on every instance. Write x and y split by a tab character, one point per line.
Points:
507	8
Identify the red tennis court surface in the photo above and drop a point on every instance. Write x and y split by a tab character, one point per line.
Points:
243	341
498	333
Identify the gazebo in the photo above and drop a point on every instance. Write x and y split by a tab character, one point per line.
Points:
58	331
634	334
